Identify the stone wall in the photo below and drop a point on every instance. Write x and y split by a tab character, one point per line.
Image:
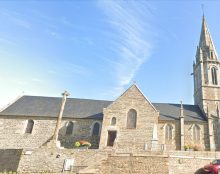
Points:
52	160
127	138
9	159
12	132
174	143
141	162
135	165
176	162
204	139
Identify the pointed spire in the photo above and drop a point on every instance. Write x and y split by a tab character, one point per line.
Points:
205	36
205	43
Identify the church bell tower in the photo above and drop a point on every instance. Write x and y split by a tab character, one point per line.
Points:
206	72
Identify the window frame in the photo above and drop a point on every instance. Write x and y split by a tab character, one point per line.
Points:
214	75
68	132
29	126
129	118
92	128
168	132
113	121
196	133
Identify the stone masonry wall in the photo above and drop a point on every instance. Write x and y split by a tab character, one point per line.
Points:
135	165
204	139
178	162
174	143
147	116
12	132
52	160
142	162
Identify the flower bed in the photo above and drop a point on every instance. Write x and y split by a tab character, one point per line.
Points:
80	144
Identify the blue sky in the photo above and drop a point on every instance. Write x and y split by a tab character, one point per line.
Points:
96	49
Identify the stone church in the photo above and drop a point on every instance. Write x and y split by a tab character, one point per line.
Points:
130	122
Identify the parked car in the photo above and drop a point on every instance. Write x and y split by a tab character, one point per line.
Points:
213	167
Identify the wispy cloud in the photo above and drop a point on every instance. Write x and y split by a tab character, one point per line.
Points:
132	41
16	18
6	41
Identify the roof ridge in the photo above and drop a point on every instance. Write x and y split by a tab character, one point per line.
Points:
175	104
67	98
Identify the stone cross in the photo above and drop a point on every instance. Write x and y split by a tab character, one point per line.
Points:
181	126
59	119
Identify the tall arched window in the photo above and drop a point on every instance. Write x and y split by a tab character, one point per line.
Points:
168	132
30	125
196	133
113	121
96	129
214	76
131	119
69	128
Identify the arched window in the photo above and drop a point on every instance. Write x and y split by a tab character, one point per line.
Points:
69	128
211	55
96	129
30	125
113	122
168	132
196	133
131	119
214	76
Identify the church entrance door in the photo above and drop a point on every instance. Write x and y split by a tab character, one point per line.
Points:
111	137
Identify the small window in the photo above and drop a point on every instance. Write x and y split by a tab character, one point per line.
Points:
29	128
214	76
131	119
113	122
168	132
196	133
69	128
96	129
211	54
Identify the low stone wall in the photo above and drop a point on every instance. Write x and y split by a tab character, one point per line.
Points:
185	165
52	160
9	159
135	165
107	162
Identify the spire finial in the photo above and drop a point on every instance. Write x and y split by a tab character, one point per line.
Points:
203	11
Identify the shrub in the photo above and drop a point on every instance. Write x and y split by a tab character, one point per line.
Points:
82	143
77	144
197	147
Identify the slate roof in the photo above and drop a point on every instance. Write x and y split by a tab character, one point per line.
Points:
87	108
172	112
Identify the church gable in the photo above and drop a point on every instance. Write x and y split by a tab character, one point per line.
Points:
135	120
131	97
